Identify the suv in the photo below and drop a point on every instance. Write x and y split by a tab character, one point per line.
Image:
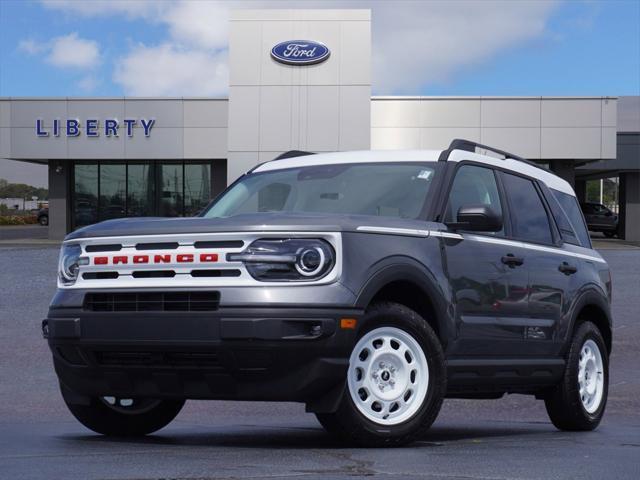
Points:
367	285
600	219
43	216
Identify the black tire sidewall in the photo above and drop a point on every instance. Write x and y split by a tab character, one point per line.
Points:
369	432
101	418
588	331
563	404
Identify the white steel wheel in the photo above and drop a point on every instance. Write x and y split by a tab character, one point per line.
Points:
590	376
388	376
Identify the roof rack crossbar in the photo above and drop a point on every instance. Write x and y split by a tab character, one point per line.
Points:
471	146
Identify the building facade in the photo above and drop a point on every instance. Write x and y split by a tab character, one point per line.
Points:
115	157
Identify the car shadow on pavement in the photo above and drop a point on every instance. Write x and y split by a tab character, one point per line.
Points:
247	436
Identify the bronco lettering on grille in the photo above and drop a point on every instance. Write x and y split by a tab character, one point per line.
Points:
160	258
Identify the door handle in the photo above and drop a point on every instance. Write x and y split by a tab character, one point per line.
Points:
511	260
567	269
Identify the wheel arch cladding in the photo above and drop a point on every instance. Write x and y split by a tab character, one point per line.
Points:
411	284
595	314
592	307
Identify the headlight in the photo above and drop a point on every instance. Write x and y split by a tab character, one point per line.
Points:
69	265
289	260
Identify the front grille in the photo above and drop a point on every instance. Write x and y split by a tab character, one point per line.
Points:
152	302
158	359
228	272
154	274
104	248
219	244
157	246
100	275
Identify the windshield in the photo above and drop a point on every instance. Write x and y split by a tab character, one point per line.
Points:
384	189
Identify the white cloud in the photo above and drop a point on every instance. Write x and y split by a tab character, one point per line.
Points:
201	24
95	8
73	51
31	47
433	41
88	83
67	51
415	43
164	70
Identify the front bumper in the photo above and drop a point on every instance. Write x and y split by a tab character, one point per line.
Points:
275	354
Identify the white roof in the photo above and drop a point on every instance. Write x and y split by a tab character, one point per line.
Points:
549	179
361	156
374	156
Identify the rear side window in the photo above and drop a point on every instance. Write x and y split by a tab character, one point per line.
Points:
571	208
528	215
566	229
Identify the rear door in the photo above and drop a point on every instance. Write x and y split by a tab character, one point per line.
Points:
589	214
550	268
605	217
598	216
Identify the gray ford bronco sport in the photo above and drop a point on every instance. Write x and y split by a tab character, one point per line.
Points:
368	285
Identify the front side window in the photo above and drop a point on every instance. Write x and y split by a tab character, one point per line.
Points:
473	185
528	215
571	208
382	189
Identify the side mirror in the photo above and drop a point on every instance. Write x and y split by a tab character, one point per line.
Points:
477	218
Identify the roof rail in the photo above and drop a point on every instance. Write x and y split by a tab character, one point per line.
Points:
292	154
282	156
471	146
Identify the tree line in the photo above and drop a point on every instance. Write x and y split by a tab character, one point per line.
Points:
21	190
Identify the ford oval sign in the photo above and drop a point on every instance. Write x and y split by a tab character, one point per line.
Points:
300	52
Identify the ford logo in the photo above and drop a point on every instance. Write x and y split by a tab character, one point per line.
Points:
300	52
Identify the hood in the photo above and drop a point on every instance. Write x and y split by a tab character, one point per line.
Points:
286	222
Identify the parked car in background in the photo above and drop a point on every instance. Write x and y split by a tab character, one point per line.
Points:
600	219
43	216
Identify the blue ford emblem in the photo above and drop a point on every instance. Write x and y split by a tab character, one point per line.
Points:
300	52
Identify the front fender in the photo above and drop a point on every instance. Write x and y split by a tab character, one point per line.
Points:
402	268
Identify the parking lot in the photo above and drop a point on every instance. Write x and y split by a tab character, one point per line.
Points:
500	439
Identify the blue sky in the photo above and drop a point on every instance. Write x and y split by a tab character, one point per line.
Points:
113	48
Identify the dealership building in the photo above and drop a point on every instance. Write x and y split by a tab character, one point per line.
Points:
298	80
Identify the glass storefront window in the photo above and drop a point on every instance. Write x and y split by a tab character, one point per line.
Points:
197	187
107	189
141	191
85	200
113	190
172	190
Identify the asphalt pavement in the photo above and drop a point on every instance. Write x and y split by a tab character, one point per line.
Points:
510	438
23	232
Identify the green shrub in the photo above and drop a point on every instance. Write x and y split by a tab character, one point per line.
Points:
18	220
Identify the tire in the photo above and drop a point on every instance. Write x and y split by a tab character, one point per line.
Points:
44	220
416	385
108	416
609	234
565	405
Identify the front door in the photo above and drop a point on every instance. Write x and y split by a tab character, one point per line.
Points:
487	273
